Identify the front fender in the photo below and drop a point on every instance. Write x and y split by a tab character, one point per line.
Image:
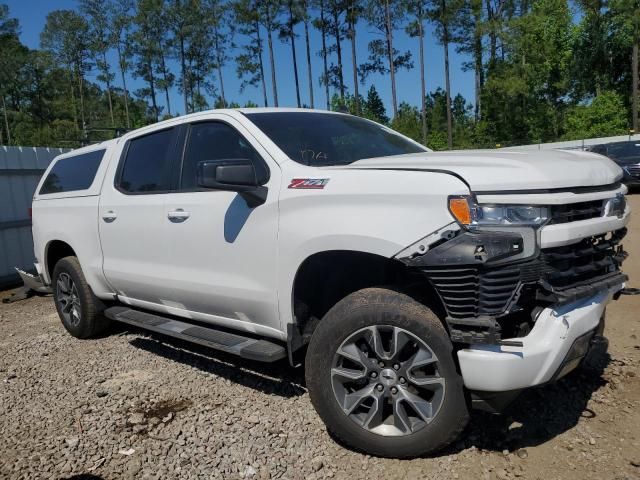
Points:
370	211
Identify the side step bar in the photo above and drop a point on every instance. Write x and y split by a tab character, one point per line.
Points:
246	347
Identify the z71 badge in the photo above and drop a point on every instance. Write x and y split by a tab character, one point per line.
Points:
309	183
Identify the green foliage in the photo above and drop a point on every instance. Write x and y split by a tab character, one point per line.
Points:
604	116
373	107
407	121
543	71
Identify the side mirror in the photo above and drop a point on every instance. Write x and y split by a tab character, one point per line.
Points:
233	174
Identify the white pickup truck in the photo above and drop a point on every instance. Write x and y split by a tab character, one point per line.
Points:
413	285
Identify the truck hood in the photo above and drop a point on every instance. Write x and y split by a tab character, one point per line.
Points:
491	170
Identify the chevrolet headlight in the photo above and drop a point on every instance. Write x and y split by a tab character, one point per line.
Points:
467	212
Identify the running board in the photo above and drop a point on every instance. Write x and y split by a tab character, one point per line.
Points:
246	347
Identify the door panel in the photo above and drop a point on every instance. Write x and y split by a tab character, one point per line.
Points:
222	253
132	218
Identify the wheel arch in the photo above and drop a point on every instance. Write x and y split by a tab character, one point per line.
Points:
54	251
326	277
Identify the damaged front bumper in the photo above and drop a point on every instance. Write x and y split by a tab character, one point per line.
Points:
557	343
521	315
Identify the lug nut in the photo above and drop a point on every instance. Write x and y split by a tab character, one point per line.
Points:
379	387
381	364
373	374
402	380
396	366
394	390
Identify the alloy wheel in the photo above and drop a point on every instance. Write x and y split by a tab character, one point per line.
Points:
386	380
68	299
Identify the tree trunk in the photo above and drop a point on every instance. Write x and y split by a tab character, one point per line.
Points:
183	69
392	68
292	37
354	60
336	32
124	84
477	52
6	120
445	42
324	54
152	91
634	88
272	60
306	36
81	89
274	86
493	40
264	82
108	82
163	66
73	99
219	65
423	87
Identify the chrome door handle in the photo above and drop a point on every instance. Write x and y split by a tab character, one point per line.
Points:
178	215
109	216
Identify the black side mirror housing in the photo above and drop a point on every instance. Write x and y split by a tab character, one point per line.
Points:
233	174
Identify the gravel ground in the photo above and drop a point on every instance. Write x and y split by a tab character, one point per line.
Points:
134	405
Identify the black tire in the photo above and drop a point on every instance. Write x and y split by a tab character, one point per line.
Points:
377	306
90	322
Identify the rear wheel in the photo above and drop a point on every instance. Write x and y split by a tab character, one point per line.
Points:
381	375
77	306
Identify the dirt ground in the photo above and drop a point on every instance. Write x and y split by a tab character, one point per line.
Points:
134	405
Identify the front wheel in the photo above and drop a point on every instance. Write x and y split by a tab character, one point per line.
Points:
381	374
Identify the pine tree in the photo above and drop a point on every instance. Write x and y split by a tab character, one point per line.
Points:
374	107
386	16
249	64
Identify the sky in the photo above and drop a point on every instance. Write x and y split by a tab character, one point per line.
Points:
32	16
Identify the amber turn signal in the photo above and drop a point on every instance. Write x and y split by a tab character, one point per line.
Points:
459	208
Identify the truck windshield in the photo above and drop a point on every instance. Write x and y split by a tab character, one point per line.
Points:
324	139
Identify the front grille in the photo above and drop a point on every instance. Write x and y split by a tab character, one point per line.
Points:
474	291
576	211
579	263
634	170
470	292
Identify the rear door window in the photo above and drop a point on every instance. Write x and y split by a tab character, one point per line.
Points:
147	163
72	173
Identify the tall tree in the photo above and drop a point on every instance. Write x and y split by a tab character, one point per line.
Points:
182	17
97	13
287	33
625	20
337	28
470	32
144	44
443	14
305	20
386	16
353	12
66	36
11	52
222	32
120	24
418	8
249	64
321	24
268	13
